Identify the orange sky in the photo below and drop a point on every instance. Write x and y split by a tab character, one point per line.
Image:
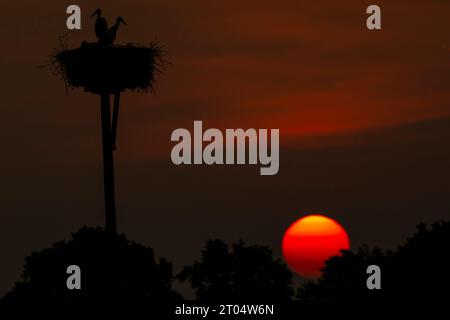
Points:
308	68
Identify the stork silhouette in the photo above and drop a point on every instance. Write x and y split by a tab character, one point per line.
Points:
111	33
101	25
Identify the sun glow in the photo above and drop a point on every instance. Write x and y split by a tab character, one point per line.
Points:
311	240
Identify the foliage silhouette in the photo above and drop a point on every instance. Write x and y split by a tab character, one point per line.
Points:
117	270
417	269
420	267
113	269
344	276
244	273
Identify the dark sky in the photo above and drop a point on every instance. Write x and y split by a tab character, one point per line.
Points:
364	120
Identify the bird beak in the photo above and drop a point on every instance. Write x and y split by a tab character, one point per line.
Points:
92	15
124	22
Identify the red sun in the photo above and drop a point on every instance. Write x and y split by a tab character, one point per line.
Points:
310	241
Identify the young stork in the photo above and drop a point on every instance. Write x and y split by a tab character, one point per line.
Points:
101	26
111	33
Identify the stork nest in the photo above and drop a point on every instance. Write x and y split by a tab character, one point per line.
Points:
101	69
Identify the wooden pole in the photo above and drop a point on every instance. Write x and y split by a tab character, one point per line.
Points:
108	165
115	119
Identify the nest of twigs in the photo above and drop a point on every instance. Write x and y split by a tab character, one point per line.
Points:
110	69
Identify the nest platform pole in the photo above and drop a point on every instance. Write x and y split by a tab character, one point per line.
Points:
108	165
115	119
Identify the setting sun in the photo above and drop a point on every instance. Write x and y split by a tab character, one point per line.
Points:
311	240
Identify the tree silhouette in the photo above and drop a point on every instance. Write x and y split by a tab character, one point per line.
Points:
344	276
242	273
420	267
113	269
417	269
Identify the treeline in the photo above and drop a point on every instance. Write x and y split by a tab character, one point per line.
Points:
115	269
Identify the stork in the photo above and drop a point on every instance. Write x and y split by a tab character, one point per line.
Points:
101	26
111	33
